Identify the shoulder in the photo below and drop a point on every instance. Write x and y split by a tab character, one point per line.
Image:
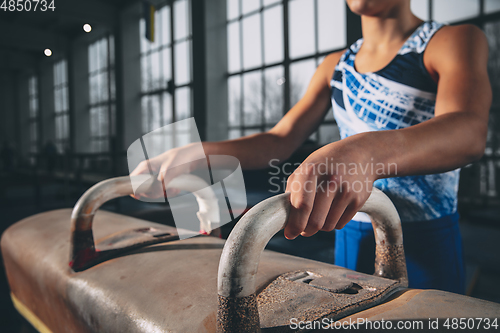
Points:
327	67
333	58
457	45
464	35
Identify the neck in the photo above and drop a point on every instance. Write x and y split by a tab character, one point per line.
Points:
392	28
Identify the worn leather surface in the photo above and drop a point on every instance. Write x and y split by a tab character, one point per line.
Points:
165	287
169	287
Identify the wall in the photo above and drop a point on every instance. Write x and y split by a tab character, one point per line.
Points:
216	67
129	85
79	99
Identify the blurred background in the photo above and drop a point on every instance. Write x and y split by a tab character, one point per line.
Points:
82	80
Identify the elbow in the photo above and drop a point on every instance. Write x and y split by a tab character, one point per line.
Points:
476	153
473	137
477	146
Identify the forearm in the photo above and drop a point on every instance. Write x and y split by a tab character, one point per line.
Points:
441	144
253	152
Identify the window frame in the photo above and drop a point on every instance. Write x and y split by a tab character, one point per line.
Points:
110	102
33	114
170	87
61	88
286	63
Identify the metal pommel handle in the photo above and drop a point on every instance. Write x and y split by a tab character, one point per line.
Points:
82	247
237	311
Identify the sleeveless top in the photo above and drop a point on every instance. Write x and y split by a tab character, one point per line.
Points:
400	95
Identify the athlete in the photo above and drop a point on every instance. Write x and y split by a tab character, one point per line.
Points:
411	100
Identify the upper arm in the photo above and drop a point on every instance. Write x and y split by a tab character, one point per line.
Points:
457	56
304	117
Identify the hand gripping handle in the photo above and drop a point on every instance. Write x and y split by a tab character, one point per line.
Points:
241	255
83	253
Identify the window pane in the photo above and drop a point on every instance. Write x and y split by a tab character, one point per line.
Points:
250	6
65	71
182	63
102	54
97	88
252	108
152	109
449	11
234	95
420	8
233	9
94	124
57	101
166	66
274	94
234	134
112	86
103	121
233	47
270	2
63	100
58	128
155	70
65	126
92	90
181	19
165	25
167	108
252	49
145	114
301	27
300	74
33	112
104	92
331	25
251	131
328	133
273	34
182	103
65	93
491	6
145	73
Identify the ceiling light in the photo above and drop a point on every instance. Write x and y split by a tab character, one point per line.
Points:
47	52
87	27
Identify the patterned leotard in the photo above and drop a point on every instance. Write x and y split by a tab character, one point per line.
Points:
400	95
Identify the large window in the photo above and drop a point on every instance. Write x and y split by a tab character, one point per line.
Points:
274	47
480	180
33	114
453	11
61	105
166	67
102	94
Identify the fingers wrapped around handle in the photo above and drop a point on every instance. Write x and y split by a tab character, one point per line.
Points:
241	255
82	240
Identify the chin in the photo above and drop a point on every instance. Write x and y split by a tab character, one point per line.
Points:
371	7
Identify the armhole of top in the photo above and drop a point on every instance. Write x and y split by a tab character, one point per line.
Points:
335	69
342	58
421	58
